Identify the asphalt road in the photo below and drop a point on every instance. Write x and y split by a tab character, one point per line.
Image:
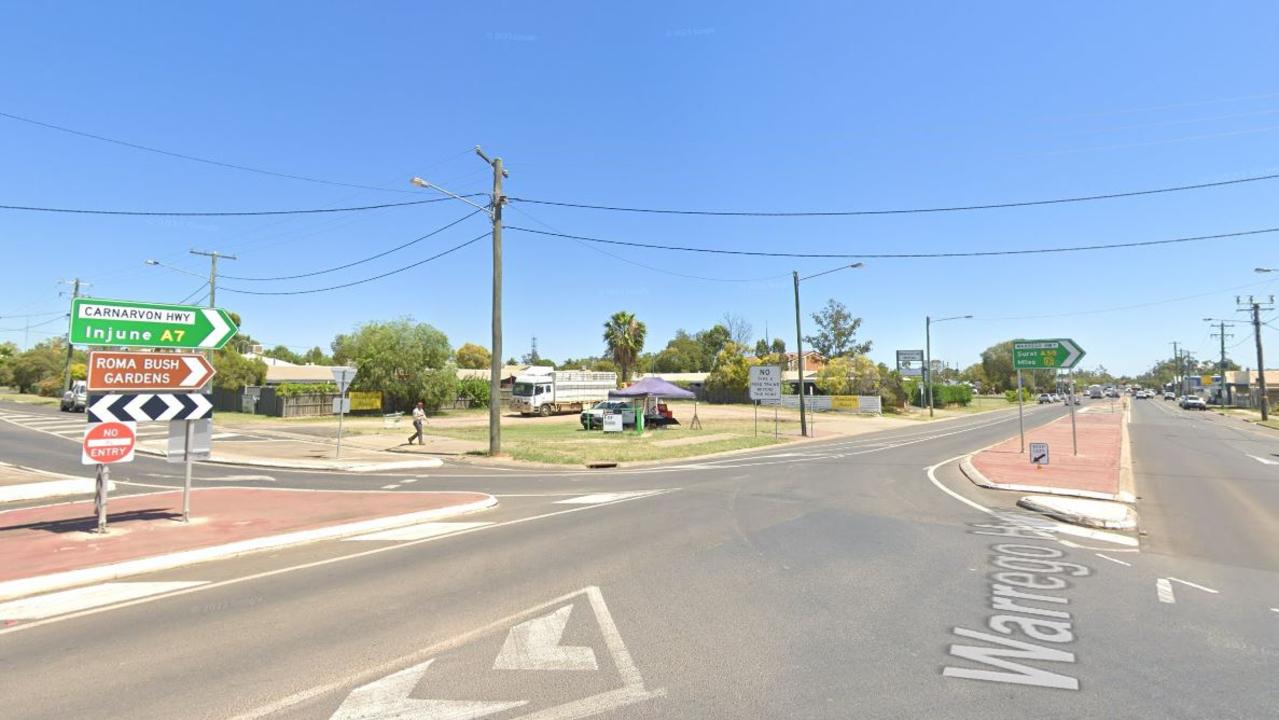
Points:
862	578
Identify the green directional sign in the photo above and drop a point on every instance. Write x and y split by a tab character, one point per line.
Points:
1056	354
124	323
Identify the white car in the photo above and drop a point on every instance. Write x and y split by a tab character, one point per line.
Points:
74	399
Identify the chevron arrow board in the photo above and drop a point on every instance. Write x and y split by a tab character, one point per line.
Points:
148	407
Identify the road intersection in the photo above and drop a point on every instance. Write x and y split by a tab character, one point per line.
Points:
855	577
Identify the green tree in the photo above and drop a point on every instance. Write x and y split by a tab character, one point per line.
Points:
439	387
682	354
837	332
316	356
474	390
761	347
473	357
235	371
712	341
624	339
8	352
282	352
849	375
997	364
732	371
43	361
399	359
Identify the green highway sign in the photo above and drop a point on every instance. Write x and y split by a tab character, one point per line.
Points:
1057	354
124	323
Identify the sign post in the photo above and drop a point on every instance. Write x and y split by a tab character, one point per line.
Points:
766	384
342	377
1038	454
1048	354
106	443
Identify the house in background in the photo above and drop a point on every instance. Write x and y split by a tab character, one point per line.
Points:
813	361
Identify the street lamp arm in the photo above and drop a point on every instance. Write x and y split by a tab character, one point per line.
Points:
854	266
157	263
432	186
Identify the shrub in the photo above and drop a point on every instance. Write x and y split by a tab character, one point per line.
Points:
474	390
1011	395
295	389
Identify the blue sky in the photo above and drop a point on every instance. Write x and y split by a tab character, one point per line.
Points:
738	106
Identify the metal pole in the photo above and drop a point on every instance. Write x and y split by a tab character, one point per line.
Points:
66	369
757	418
775	430
1223	395
799	359
341	414
1021	409
186	475
1074	438
100	496
928	361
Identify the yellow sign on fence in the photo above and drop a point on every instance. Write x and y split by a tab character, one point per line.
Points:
844	402
368	400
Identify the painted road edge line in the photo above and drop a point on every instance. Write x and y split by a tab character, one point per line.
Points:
313	564
1049	526
57	581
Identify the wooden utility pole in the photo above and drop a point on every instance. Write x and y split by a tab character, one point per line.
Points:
75	284
1255	306
497	200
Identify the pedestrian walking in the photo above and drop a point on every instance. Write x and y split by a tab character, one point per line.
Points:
419	422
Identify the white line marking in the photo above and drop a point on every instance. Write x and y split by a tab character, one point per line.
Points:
392	486
316	563
535	645
598	498
1274	609
83	598
1163	589
417	532
408	481
1264	460
1194	585
1113	560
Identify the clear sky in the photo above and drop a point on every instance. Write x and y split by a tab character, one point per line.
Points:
721	105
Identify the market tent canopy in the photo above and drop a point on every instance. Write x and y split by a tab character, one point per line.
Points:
653	386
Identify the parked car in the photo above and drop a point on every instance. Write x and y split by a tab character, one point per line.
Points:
1194	402
1045	398
1169	395
75	398
593	418
1072	400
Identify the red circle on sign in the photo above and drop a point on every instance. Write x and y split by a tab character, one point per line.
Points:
108	442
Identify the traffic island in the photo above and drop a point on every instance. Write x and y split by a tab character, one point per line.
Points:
54	547
1099	472
19	484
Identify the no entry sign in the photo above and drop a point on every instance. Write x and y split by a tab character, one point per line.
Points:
135	371
108	442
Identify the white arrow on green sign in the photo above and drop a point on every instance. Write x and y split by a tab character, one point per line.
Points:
1056	354
124	323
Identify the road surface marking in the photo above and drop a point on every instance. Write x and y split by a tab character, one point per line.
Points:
535	645
1163	589
1113	560
389	698
1274	610
84	598
392	486
1264	460
1193	585
408	481
598	498
416	532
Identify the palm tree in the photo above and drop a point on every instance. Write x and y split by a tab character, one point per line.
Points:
624	336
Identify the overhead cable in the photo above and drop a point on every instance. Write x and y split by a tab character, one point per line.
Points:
901	211
889	256
243	213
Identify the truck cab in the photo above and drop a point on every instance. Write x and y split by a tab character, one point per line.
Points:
533	395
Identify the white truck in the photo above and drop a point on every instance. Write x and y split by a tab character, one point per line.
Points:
560	391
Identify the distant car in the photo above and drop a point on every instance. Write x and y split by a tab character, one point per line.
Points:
1194	402
1169	395
74	399
594	417
1072	399
1045	398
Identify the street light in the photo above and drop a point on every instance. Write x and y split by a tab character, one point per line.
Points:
799	338
494	210
928	353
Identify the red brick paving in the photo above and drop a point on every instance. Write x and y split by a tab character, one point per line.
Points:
38	541
1095	469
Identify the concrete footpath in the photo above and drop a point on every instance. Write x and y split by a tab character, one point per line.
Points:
1102	471
21	483
54	546
302	454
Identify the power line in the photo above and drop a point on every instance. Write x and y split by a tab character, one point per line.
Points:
882	256
61	316
195	158
902	211
244	213
357	262
33	315
184	300
436	256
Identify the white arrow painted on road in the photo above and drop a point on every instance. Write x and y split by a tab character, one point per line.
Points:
220	328
535	645
388	699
